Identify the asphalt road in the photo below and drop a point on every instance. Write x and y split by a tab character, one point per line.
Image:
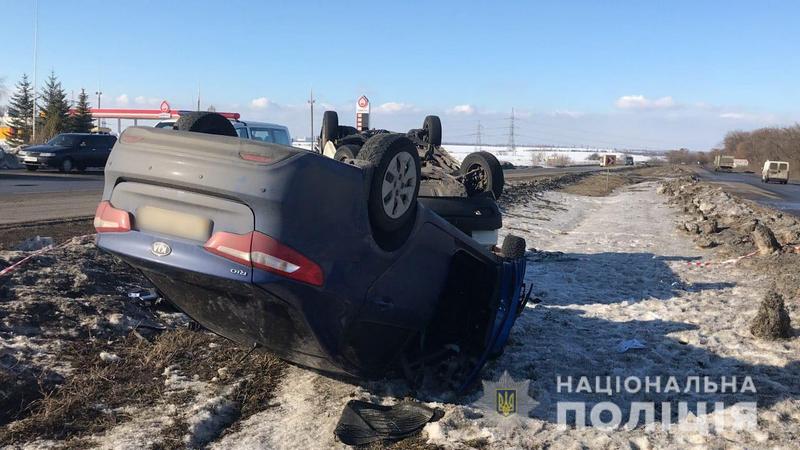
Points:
47	195
785	197
37	196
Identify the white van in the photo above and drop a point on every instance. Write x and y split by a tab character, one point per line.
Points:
775	171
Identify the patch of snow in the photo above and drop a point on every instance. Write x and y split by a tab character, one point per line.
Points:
109	357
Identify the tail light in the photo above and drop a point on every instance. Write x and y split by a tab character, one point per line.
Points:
108	219
263	252
256	157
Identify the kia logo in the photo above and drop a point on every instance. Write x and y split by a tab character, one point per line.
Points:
160	248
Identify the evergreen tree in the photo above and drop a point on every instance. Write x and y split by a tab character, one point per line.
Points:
20	110
81	119
55	110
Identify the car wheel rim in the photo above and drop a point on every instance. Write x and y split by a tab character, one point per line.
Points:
399	182
67	166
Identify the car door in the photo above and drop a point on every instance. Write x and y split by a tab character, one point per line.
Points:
105	144
82	152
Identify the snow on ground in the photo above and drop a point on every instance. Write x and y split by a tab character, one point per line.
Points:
538	156
525	155
623	274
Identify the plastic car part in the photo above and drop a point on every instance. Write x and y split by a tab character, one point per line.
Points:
395	180
108	219
330	128
482	172
362	422
205	122
513	247
467	214
433	130
260	251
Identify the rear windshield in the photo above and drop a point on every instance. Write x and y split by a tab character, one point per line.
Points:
64	140
773	166
784	167
281	136
275	135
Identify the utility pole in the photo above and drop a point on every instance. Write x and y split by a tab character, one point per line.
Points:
198	97
99	94
478	137
311	102
511	142
35	54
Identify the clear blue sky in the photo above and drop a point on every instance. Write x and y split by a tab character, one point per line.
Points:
639	74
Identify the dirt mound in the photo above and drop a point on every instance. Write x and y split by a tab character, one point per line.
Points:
738	227
517	193
762	239
772	321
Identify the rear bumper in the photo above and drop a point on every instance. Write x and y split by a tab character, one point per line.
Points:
224	302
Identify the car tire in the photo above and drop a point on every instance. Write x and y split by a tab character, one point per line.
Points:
205	122
513	247
31	168
395	180
433	130
482	173
330	128
346	152
66	166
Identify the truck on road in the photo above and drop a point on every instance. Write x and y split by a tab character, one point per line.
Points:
723	163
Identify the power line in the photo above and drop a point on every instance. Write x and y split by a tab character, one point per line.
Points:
478	137
511	143
311	102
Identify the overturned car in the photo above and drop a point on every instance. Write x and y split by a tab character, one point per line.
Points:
336	266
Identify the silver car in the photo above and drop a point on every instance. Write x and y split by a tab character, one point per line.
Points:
257	131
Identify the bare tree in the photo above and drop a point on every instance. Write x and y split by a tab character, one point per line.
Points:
764	144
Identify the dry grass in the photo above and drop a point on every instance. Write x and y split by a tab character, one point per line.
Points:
603	183
89	400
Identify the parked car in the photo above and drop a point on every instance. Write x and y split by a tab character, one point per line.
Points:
775	171
257	131
331	265
69	151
